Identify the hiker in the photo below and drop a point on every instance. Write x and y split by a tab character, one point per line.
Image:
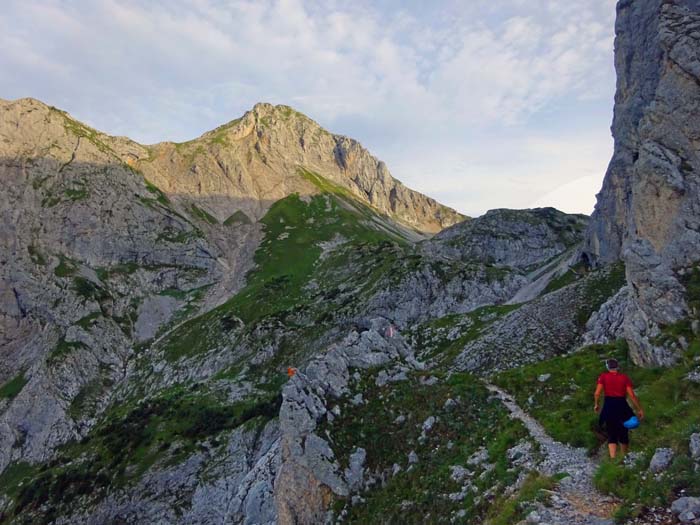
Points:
617	386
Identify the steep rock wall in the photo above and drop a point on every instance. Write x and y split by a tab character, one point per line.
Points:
648	211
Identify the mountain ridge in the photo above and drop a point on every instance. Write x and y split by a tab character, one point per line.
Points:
264	171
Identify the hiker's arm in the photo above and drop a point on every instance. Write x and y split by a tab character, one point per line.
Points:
635	402
596	397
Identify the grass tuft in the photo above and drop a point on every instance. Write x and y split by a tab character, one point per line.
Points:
237	218
516	508
65	267
13	387
203	215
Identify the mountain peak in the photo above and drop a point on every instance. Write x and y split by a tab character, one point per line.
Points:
266	108
24	101
270	115
277	140
244	165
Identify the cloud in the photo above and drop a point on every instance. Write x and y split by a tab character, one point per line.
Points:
405	79
512	172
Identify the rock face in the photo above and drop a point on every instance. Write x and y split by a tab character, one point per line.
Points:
607	324
234	488
549	325
86	242
249	163
470	264
515	238
648	211
310	474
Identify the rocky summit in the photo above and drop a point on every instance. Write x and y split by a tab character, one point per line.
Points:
263	326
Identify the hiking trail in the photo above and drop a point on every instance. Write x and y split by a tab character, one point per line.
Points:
574	501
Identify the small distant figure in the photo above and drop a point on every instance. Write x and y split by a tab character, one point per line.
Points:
291	371
390	331
617	387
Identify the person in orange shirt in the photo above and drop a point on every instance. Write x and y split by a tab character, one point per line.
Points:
617	387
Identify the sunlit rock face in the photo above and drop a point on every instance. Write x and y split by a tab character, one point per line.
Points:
648	211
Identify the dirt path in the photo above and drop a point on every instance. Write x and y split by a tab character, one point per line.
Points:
574	501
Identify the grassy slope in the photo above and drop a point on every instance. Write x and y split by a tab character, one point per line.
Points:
427	484
287	260
563	404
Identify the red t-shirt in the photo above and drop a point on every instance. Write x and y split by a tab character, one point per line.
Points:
614	384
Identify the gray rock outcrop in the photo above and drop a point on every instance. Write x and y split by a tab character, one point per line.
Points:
607	324
234	487
547	326
694	446
310	475
513	238
648	211
687	508
661	460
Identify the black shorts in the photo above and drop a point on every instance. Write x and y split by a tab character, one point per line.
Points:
615	412
617	433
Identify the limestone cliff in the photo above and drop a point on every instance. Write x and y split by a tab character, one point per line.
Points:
517	238
648	211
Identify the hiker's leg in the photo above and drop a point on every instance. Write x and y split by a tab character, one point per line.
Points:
624	440
613	438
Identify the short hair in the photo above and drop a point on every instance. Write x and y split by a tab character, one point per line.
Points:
611	364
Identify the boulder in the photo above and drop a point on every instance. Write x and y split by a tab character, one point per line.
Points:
661	460
428	424
694	446
686	504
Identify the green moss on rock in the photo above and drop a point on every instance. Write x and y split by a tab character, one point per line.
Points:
13	387
237	217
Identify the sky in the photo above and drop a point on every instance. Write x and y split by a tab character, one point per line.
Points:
480	104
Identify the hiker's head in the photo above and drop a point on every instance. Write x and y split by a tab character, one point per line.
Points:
612	364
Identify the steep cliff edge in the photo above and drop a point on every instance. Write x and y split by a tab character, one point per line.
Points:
648	211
